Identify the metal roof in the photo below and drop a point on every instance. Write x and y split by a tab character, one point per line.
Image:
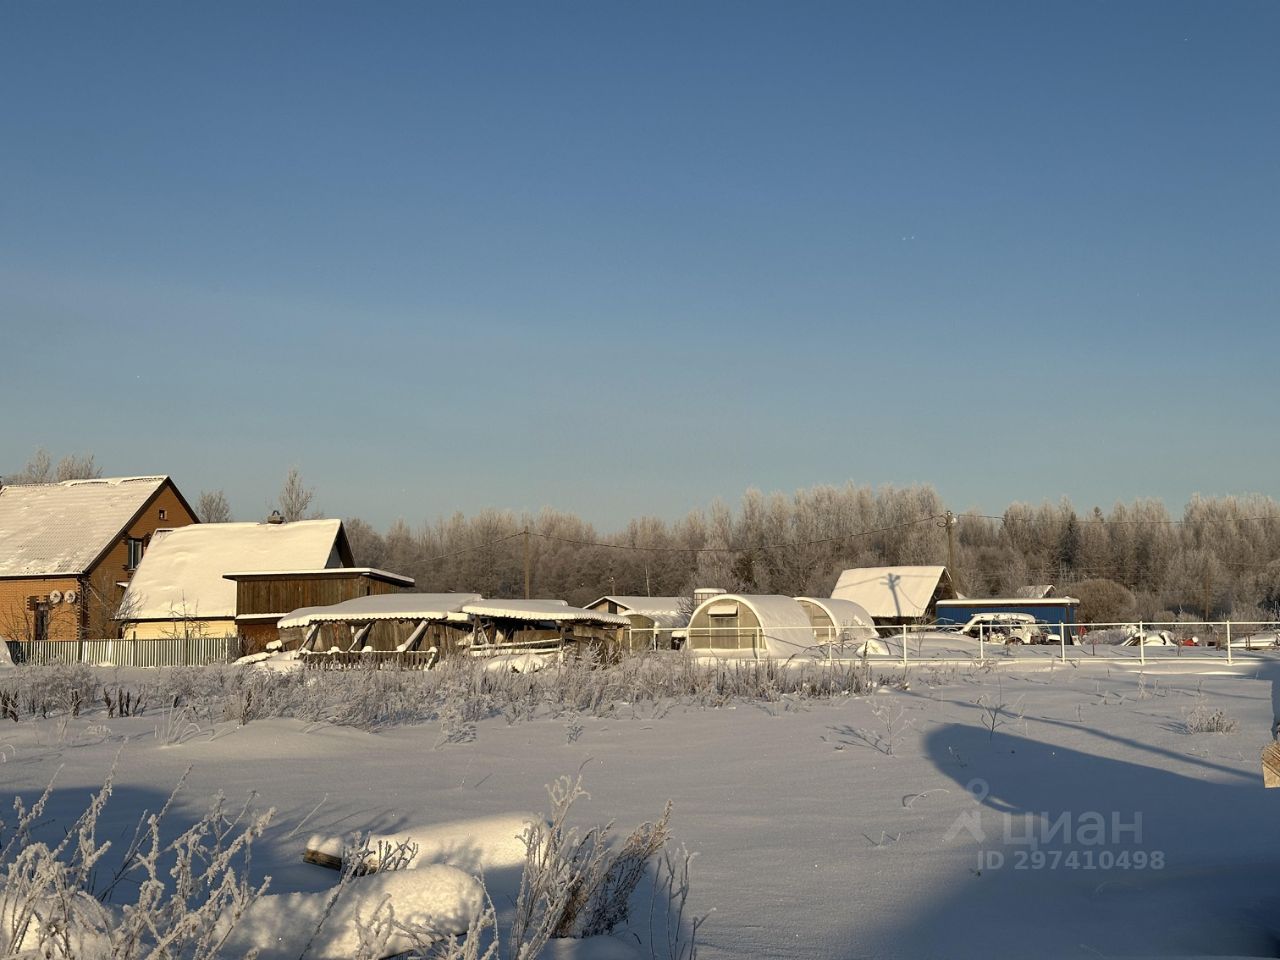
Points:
50	529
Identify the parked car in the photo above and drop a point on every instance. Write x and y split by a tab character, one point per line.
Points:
1001	627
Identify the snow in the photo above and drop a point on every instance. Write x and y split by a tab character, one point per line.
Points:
663	611
372	572
183	571
890	592
386	606
478	845
62	528
818	832
557	610
280	925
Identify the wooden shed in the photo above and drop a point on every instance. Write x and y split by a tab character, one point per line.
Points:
264	598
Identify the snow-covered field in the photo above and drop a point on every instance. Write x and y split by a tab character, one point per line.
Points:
892	824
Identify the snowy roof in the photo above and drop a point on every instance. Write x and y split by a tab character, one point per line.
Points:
183	573
386	606
845	614
372	572
890	592
1035	591
663	611
540	610
62	528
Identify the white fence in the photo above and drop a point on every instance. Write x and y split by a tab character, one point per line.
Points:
164	652
1225	641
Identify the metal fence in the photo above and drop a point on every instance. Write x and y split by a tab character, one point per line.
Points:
1142	642
162	652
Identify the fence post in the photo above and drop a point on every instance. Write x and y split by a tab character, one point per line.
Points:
1142	643
1062	640
982	638
904	644
1228	641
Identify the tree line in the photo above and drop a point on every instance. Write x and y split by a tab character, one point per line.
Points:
1219	558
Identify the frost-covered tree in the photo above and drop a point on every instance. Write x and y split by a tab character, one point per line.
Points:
295	498
212	507
41	468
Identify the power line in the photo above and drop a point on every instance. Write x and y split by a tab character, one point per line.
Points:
481	546
1105	521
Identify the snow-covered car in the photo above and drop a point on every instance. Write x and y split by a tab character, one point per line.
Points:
1009	628
1147	637
1001	627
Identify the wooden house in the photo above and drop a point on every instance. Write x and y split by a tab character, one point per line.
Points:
181	587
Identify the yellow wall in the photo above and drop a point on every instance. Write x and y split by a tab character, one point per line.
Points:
166	629
16	623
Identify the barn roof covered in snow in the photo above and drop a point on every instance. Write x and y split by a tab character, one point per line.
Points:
386	606
663	611
556	610
48	529
183	573
889	593
1036	591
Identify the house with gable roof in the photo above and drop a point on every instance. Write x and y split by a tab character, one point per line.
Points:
68	551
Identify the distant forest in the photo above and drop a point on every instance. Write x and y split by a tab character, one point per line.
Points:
1219	559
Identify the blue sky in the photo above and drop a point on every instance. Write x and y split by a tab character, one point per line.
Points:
621	258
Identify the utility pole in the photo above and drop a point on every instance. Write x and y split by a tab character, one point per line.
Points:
528	569
949	521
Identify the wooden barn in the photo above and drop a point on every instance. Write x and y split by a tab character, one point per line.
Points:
263	598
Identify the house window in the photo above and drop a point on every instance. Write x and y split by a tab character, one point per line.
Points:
135	553
162	514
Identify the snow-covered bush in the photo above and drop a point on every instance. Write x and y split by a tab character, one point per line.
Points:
457	694
59	900
1202	719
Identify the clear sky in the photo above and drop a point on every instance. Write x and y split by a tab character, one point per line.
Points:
621	258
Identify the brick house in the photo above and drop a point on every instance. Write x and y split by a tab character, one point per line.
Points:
69	549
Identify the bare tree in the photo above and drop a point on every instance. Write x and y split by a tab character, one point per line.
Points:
212	507
77	467
41	468
295	498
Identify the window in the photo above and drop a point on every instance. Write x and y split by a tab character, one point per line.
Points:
162	514
134	545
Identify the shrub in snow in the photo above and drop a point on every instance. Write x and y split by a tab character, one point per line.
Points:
186	894
576	885
1201	719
